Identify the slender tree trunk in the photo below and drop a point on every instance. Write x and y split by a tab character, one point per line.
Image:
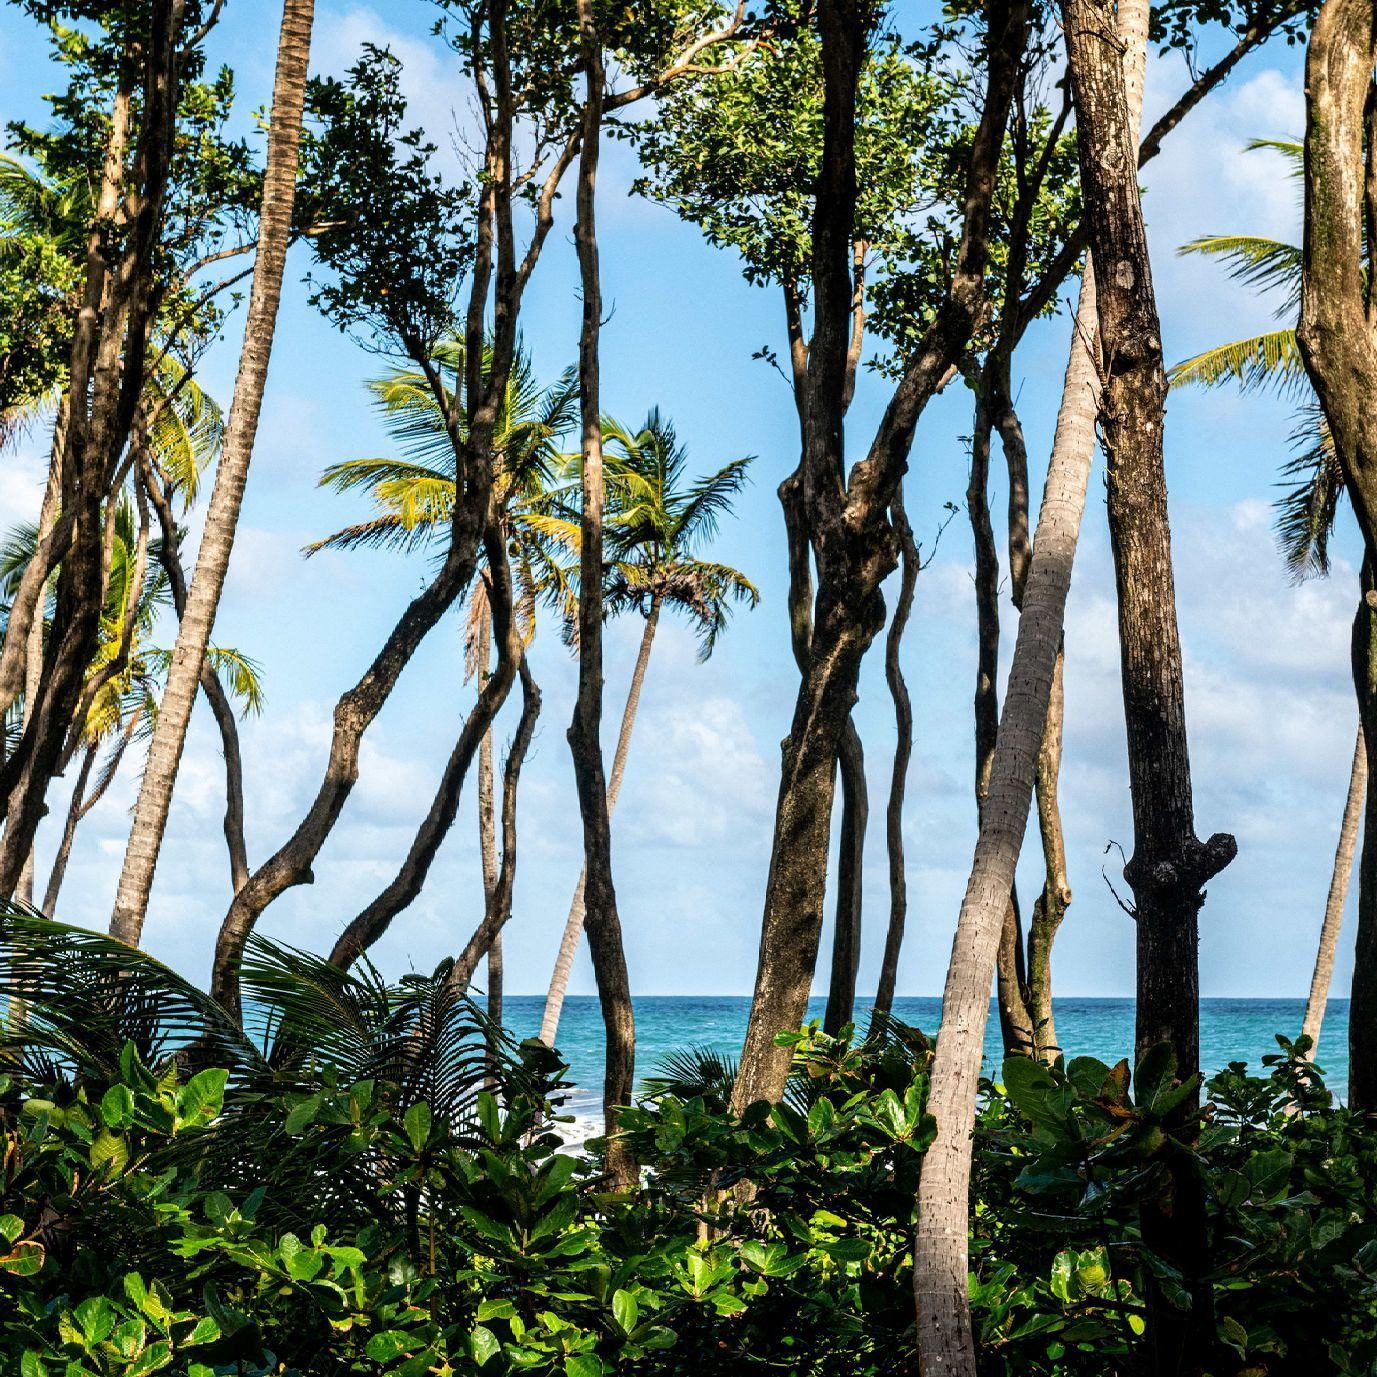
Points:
903	751
74	815
1338	895
945	1343
573	926
1170	866
846	935
498	909
374	920
1015	1020
487	831
1052	903
33	670
603	921
231	474
1362	1008
171	559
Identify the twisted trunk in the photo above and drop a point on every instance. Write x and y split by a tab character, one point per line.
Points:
903	751
231	474
573	926
1338	895
585	741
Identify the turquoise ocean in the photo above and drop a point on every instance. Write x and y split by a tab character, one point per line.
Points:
1230	1030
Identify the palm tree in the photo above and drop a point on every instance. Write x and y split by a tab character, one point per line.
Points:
657	522
413	495
1307	508
124	680
212	563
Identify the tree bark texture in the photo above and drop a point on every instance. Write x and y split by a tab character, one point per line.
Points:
1169	866
231	475
1335	334
846	932
573	926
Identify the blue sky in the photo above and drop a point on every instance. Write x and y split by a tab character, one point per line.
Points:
1268	698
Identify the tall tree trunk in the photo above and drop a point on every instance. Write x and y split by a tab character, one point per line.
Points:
585	743
945	1343
1338	895
487	819
846	934
33	670
1335	334
903	751
105	377
498	907
231	474
1015	1021
847	516
1169	866
573	926
170	557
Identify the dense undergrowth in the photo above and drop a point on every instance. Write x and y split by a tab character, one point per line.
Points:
370	1181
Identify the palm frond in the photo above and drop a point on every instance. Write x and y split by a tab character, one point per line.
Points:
1261	263
1305	511
1268	360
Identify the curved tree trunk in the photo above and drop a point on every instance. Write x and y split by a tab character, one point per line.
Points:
573	927
374	920
33	670
903	751
585	743
1338	895
231	474
846	935
487	820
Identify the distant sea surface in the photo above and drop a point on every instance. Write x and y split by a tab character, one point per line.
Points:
1230	1030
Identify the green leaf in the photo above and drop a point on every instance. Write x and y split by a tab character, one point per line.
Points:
416	1121
31	1365
155	1356
11	1226
303	1115
117	1106
582	1365
1268	1173
389	1345
483	1344
625	1310
109	1152
96	1317
23	1260
202	1099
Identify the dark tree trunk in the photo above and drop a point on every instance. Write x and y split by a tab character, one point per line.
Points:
1335	334
1170	865
846	935
585	740
903	751
847	517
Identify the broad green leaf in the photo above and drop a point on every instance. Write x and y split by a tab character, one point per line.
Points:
625	1310
483	1344
389	1345
117	1106
203	1097
109	1152
583	1365
416	1121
